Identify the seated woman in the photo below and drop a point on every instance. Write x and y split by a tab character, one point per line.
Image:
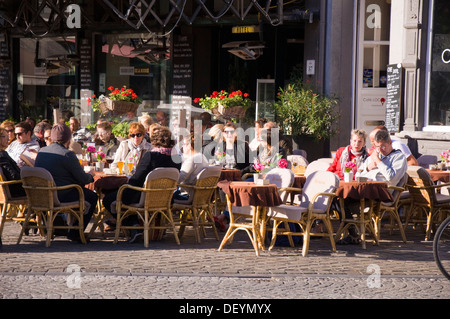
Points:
105	138
356	152
161	155
236	152
135	147
193	163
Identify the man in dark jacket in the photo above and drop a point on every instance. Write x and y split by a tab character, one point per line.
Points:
66	169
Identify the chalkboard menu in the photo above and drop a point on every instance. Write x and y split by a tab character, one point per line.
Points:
85	64
182	65
4	80
393	97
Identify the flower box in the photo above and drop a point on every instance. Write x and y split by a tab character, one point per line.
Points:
118	107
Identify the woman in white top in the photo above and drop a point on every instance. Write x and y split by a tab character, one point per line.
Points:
133	148
193	162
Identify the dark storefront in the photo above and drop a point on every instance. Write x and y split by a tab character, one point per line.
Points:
52	58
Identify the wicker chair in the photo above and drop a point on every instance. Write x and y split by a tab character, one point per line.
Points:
317	195
392	209
197	211
44	203
425	200
13	208
156	198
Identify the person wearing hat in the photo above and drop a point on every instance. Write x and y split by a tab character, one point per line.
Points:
65	168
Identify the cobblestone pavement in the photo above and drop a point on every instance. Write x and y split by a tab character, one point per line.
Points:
102	270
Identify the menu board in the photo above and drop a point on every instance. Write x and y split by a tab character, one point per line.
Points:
182	65
85	64
4	81
394	97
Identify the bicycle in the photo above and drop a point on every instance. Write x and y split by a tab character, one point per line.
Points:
441	247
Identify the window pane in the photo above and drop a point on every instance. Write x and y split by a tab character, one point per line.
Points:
439	103
377	20
376	59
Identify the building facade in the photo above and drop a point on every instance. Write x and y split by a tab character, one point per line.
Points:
54	54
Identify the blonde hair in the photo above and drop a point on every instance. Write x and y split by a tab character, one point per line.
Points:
359	133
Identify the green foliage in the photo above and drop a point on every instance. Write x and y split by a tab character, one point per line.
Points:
121	129
301	111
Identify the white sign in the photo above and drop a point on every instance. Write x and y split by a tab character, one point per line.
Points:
310	67
126	70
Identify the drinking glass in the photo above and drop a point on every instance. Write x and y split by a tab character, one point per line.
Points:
120	167
80	159
130	166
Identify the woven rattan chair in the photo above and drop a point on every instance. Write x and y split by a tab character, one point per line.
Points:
44	203
13	208
392	209
317	195
425	200
155	200
198	210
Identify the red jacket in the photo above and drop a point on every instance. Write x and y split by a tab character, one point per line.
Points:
336	166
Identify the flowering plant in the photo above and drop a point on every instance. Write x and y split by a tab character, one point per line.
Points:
90	149
124	94
445	156
99	154
219	154
349	166
236	98
265	167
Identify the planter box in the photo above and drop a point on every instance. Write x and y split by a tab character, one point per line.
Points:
118	107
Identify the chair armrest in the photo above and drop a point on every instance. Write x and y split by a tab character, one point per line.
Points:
139	189
397	188
428	187
16	181
313	200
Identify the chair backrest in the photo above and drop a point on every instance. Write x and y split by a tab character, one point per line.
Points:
300	152
319	182
426	160
281	177
317	165
418	176
401	183
5	195
208	178
163	181
44	199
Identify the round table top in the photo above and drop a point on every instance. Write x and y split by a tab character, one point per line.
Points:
250	194
230	175
438	175
371	190
107	182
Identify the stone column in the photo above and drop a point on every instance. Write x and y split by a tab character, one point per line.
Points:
411	54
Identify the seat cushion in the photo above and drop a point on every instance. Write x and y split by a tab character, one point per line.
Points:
442	199
286	212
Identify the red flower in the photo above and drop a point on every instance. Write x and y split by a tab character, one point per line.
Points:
196	100
93	96
89	101
246	95
111	88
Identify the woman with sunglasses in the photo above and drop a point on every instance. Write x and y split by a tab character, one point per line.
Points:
134	147
9	128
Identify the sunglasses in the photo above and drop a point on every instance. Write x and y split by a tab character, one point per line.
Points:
19	133
9	131
136	135
229	132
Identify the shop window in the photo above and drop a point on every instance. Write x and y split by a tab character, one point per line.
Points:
47	76
439	68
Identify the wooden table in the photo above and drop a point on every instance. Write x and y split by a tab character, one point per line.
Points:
259	197
104	183
438	175
369	194
230	175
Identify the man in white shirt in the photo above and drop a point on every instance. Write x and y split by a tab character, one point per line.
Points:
23	150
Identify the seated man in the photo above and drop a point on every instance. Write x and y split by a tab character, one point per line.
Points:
385	163
105	138
80	135
396	144
23	150
65	168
